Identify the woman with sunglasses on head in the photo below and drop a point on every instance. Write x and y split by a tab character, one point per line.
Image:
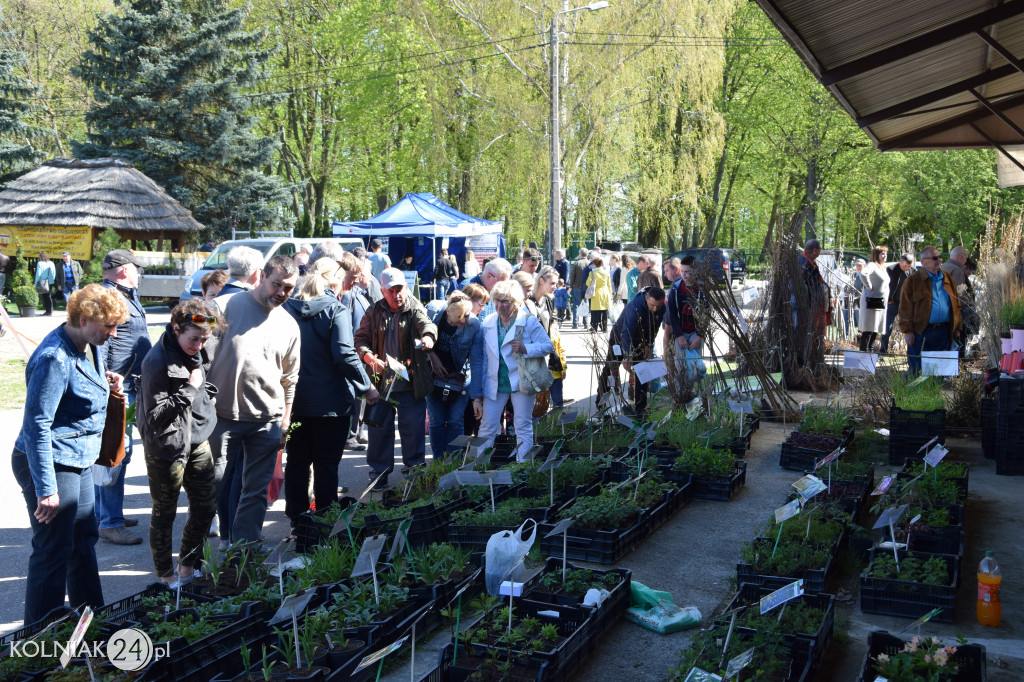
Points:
175	416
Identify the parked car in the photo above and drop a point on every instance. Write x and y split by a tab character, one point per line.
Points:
714	261
268	246
737	266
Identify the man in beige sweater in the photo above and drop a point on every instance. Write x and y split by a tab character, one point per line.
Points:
255	372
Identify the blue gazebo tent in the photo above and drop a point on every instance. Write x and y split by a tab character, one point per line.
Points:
418	224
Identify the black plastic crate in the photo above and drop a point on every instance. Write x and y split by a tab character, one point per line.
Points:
709	487
989	418
938	541
1010	456
446	671
969	658
961	482
740	445
909	599
1011	394
910	429
605	614
797	458
599	546
804	646
815	579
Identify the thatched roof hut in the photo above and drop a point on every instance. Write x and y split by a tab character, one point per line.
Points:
96	194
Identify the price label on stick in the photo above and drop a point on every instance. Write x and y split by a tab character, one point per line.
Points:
469	583
379	654
567	418
809	486
277	555
924	448
471	478
532	453
693	410
551	464
741	406
884	485
889	517
781	596
626	421
292	605
831	457
561	527
76	637
922	620
498	476
918	381
739	663
699	675
750	295
401	539
344	519
369	554
787	511
935	455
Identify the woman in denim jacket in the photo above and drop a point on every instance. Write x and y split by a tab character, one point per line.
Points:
459	350
65	410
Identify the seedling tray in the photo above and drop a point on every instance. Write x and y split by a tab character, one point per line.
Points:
907	599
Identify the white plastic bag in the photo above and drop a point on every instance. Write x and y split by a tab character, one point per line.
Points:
506	550
105	476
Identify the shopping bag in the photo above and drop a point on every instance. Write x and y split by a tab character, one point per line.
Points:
503	559
277	480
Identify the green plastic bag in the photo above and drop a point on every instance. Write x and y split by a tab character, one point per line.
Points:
655	610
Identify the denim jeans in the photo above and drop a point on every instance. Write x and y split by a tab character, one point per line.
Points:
556	393
110	498
890	318
64	550
446	422
249	453
412	419
932	338
317	442
577	298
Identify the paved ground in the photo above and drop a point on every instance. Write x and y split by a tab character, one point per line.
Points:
693	555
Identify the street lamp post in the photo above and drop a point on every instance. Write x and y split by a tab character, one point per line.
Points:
555	215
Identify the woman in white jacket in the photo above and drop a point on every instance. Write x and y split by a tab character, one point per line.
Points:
873	298
511	329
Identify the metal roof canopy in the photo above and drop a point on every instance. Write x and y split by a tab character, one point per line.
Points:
916	74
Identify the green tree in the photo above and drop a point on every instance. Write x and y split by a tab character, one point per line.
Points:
173	83
18	152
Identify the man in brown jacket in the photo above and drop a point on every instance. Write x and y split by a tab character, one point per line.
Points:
929	309
393	327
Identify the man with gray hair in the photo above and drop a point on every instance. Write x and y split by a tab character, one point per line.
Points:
929	309
955	265
245	268
897	277
328	248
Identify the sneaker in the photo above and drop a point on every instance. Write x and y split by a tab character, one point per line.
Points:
131	523
214	528
362	438
120	536
354	445
382	484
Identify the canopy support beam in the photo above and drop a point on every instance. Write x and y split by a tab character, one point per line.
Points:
998	146
998	114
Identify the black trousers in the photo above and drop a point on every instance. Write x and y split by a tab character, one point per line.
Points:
317	442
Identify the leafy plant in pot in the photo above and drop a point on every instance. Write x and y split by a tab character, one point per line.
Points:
26	298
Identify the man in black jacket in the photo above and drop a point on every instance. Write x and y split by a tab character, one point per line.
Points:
632	340
897	276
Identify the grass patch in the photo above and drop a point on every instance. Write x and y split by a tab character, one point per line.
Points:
12	383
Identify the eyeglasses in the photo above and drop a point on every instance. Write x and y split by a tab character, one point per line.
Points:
203	319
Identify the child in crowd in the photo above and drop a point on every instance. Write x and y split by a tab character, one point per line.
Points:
561	301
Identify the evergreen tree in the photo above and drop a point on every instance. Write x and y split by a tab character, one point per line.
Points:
17	154
173	83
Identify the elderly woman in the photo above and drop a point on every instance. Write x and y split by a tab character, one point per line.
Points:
526	281
601	301
875	293
176	416
331	381
509	331
60	437
547	279
457	358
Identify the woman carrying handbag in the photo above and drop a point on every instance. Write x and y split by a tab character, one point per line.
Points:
873	297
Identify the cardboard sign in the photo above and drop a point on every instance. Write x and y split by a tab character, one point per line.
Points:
787	511
741	406
292	605
809	486
737	664
935	455
889	517
561	527
378	655
858	360
830	457
884	485
76	637
781	596
649	370
368	555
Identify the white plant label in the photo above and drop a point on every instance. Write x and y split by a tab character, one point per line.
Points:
369	554
377	655
935	455
76	636
933	441
699	675
787	511
834	455
781	596
741	406
293	605
889	517
750	295
884	485
739	663
809	486
617	349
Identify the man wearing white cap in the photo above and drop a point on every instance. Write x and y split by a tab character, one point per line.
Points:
397	327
